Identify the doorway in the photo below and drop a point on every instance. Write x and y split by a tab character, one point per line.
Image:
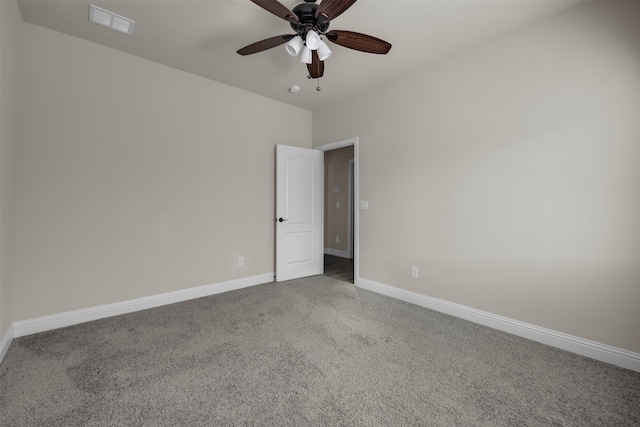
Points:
340	215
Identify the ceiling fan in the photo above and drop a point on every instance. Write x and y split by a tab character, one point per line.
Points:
310	21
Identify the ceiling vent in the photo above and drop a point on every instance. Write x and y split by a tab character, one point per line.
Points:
110	20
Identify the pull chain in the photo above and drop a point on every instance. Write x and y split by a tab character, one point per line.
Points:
318	88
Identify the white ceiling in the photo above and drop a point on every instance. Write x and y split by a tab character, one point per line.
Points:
202	37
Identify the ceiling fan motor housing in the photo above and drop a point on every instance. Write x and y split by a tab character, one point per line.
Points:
306	13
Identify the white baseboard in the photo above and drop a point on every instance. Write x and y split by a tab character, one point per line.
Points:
5	343
55	321
336	252
594	350
602	352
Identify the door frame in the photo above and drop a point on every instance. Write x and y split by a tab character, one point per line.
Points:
350	207
356	197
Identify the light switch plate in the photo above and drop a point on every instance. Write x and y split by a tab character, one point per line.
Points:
364	205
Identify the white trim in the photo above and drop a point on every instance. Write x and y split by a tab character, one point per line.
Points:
350	205
5	343
355	141
338	144
594	350
55	321
336	252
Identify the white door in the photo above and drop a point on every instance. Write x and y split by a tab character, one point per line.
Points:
299	212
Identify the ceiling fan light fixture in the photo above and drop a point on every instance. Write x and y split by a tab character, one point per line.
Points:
323	51
306	56
312	40
311	21
294	45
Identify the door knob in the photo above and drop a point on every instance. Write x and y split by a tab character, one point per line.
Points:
282	219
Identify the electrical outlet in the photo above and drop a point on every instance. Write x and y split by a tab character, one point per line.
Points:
337	239
414	272
337	204
241	261
364	205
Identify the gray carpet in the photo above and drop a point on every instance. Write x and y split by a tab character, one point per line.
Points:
314	351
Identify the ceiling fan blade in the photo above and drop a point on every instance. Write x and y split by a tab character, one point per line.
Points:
361	42
331	9
265	44
316	68
277	8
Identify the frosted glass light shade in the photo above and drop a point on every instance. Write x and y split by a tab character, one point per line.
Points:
294	45
313	40
323	51
305	56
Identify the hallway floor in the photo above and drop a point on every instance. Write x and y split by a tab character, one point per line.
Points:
339	268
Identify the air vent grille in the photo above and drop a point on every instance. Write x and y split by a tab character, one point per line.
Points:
110	20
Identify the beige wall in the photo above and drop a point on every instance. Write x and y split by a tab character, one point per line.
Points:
336	173
135	179
10	31
511	172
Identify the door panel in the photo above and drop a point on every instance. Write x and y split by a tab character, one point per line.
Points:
299	212
299	247
299	190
